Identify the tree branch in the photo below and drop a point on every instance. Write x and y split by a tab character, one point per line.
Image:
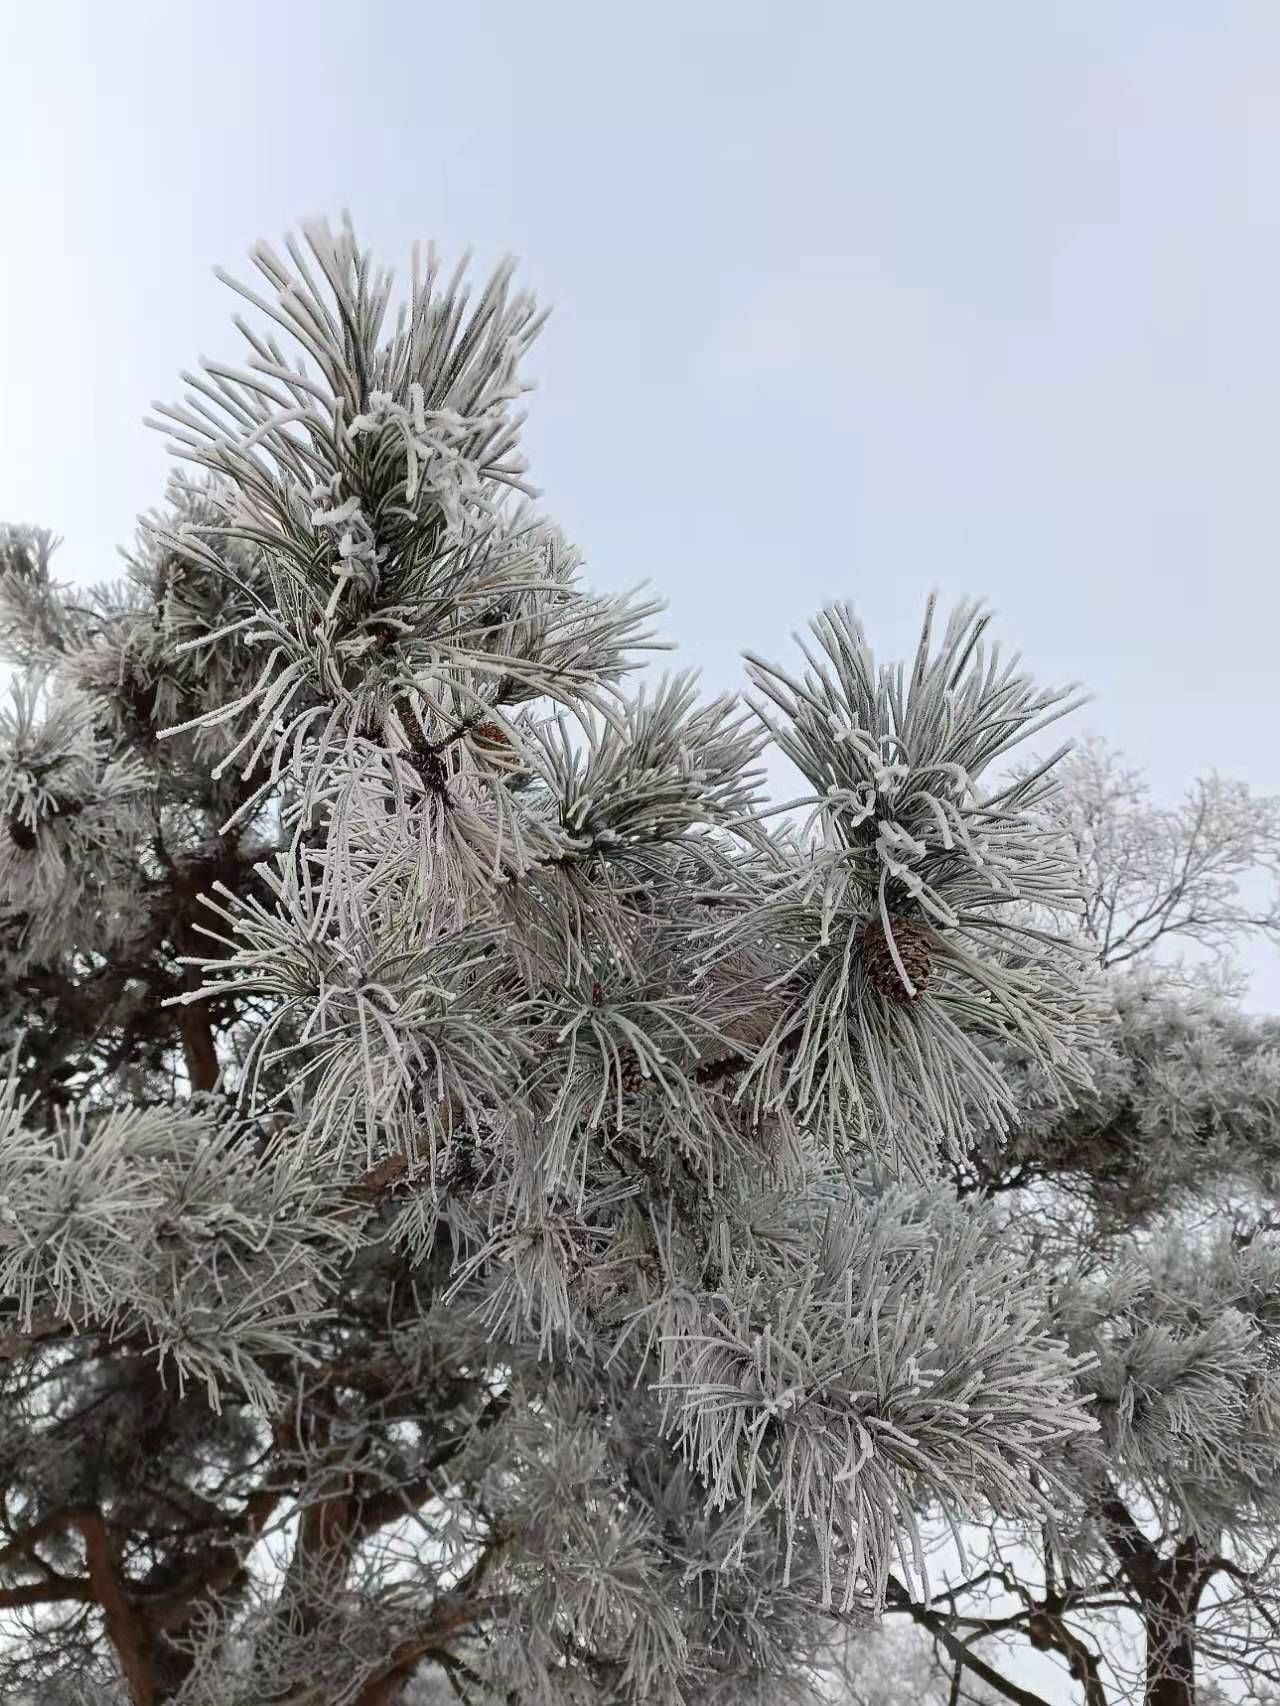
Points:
47	1593
127	1631
938	1627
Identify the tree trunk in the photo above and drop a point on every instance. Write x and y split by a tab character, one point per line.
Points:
1168	1589
1170	1629
126	1631
199	1052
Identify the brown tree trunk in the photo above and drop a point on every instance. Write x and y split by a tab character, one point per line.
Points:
190	884
1170	1629
1168	1589
127	1632
198	1048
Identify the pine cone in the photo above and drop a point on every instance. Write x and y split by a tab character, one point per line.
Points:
492	746
632	1076
912	942
22	835
490	737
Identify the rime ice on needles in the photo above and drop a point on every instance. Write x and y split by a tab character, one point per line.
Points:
868	1381
554	1060
896	763
71	812
163	1222
404	588
1181	1331
34	622
909	843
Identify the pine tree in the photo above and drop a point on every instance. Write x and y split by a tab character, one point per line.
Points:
1154	1201
473	1198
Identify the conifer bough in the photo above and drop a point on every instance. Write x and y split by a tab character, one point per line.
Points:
470	1175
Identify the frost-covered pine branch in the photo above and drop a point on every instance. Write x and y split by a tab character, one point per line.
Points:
473	1194
1150	1205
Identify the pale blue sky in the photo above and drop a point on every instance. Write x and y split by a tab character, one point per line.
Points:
850	300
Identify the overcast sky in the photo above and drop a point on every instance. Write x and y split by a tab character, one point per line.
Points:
850	301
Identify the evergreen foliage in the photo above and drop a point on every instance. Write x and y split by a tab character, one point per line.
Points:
474	1204
1152	1203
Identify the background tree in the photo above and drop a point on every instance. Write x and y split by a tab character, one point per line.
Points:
469	1185
1196	873
1155	1200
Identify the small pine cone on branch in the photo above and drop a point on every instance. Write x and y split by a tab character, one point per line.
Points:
22	835
632	1076
912	943
492	746
489	737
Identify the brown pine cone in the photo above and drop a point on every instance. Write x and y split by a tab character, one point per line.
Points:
490	736
633	1077
912	942
492	745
